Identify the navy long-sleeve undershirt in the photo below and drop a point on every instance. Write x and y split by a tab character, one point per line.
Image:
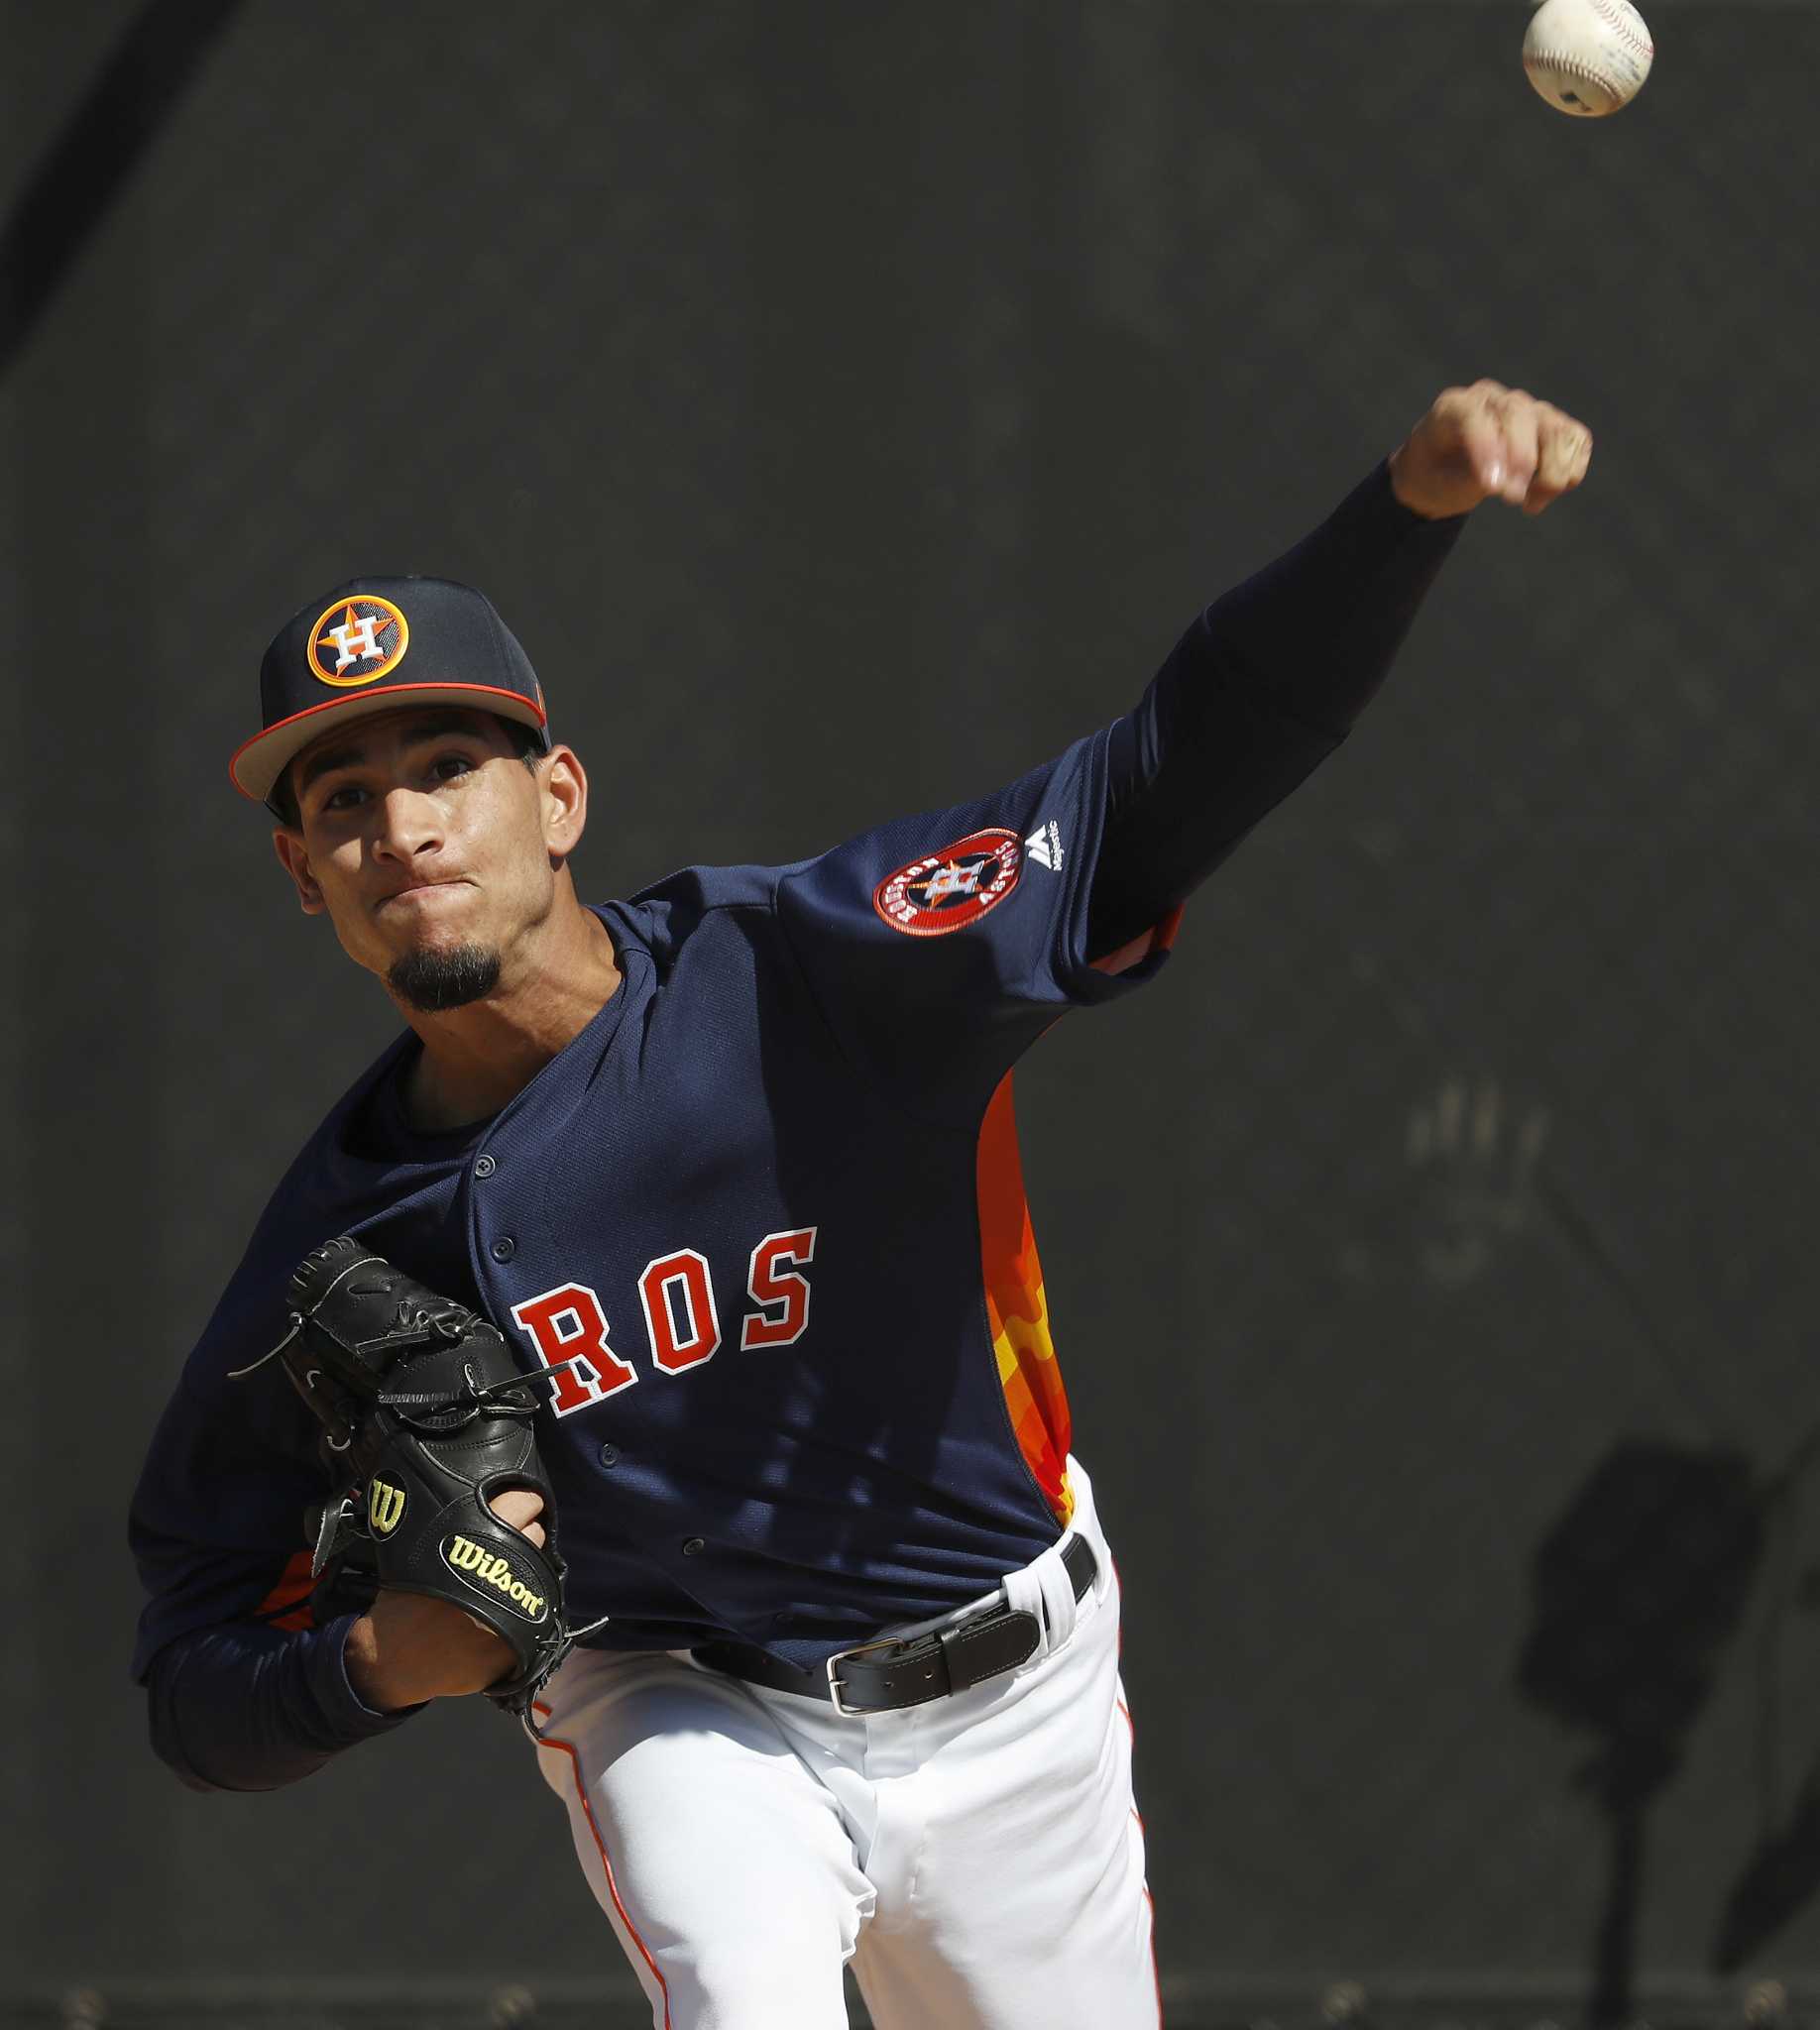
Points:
1259	690
247	1707
1257	693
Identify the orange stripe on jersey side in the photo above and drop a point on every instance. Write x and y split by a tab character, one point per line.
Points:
290	1595
1017	1311
1161	937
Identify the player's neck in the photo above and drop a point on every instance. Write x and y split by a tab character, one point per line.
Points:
476	1058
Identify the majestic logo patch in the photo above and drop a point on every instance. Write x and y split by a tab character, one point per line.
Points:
484	1569
1044	845
385	1507
357	640
948	890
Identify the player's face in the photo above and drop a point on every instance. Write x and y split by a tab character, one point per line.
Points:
428	842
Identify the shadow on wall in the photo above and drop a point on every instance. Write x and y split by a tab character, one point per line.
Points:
91	160
1637	1591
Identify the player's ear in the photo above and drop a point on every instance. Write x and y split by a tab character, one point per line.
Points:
562	784
293	857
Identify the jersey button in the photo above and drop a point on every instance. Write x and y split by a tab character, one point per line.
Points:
692	1545
609	1455
484	1166
503	1248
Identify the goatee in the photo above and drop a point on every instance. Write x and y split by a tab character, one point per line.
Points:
435	981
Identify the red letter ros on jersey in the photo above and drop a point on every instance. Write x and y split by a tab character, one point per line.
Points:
561	1325
686	1331
771	1283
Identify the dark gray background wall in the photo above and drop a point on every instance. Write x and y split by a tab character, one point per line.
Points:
847	405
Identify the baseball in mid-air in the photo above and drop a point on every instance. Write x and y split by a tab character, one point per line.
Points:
1587	57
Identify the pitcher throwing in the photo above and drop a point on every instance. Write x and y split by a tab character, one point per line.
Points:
732	1167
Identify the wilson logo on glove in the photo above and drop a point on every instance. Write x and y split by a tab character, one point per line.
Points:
422	1407
480	1565
385	1508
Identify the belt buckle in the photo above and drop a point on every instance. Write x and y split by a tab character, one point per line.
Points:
834	1682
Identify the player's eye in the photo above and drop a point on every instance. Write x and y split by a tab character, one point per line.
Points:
448	767
346	798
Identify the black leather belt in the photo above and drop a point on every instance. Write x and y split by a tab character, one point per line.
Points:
880	1678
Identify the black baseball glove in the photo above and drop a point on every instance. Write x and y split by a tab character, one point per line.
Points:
425	1420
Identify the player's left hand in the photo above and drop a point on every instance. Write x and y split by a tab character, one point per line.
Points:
1489	442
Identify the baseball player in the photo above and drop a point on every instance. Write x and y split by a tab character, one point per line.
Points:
732	1168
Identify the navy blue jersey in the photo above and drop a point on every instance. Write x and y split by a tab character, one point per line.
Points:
770	1196
768	1202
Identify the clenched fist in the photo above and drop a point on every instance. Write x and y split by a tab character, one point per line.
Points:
1487	443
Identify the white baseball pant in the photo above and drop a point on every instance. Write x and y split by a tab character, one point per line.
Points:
980	1859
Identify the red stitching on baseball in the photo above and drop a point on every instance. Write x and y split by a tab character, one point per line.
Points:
1568	68
1620	20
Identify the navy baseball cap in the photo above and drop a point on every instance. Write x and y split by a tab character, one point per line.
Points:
381	644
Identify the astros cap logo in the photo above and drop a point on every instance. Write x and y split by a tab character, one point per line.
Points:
357	640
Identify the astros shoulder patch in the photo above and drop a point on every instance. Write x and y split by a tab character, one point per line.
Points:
948	890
